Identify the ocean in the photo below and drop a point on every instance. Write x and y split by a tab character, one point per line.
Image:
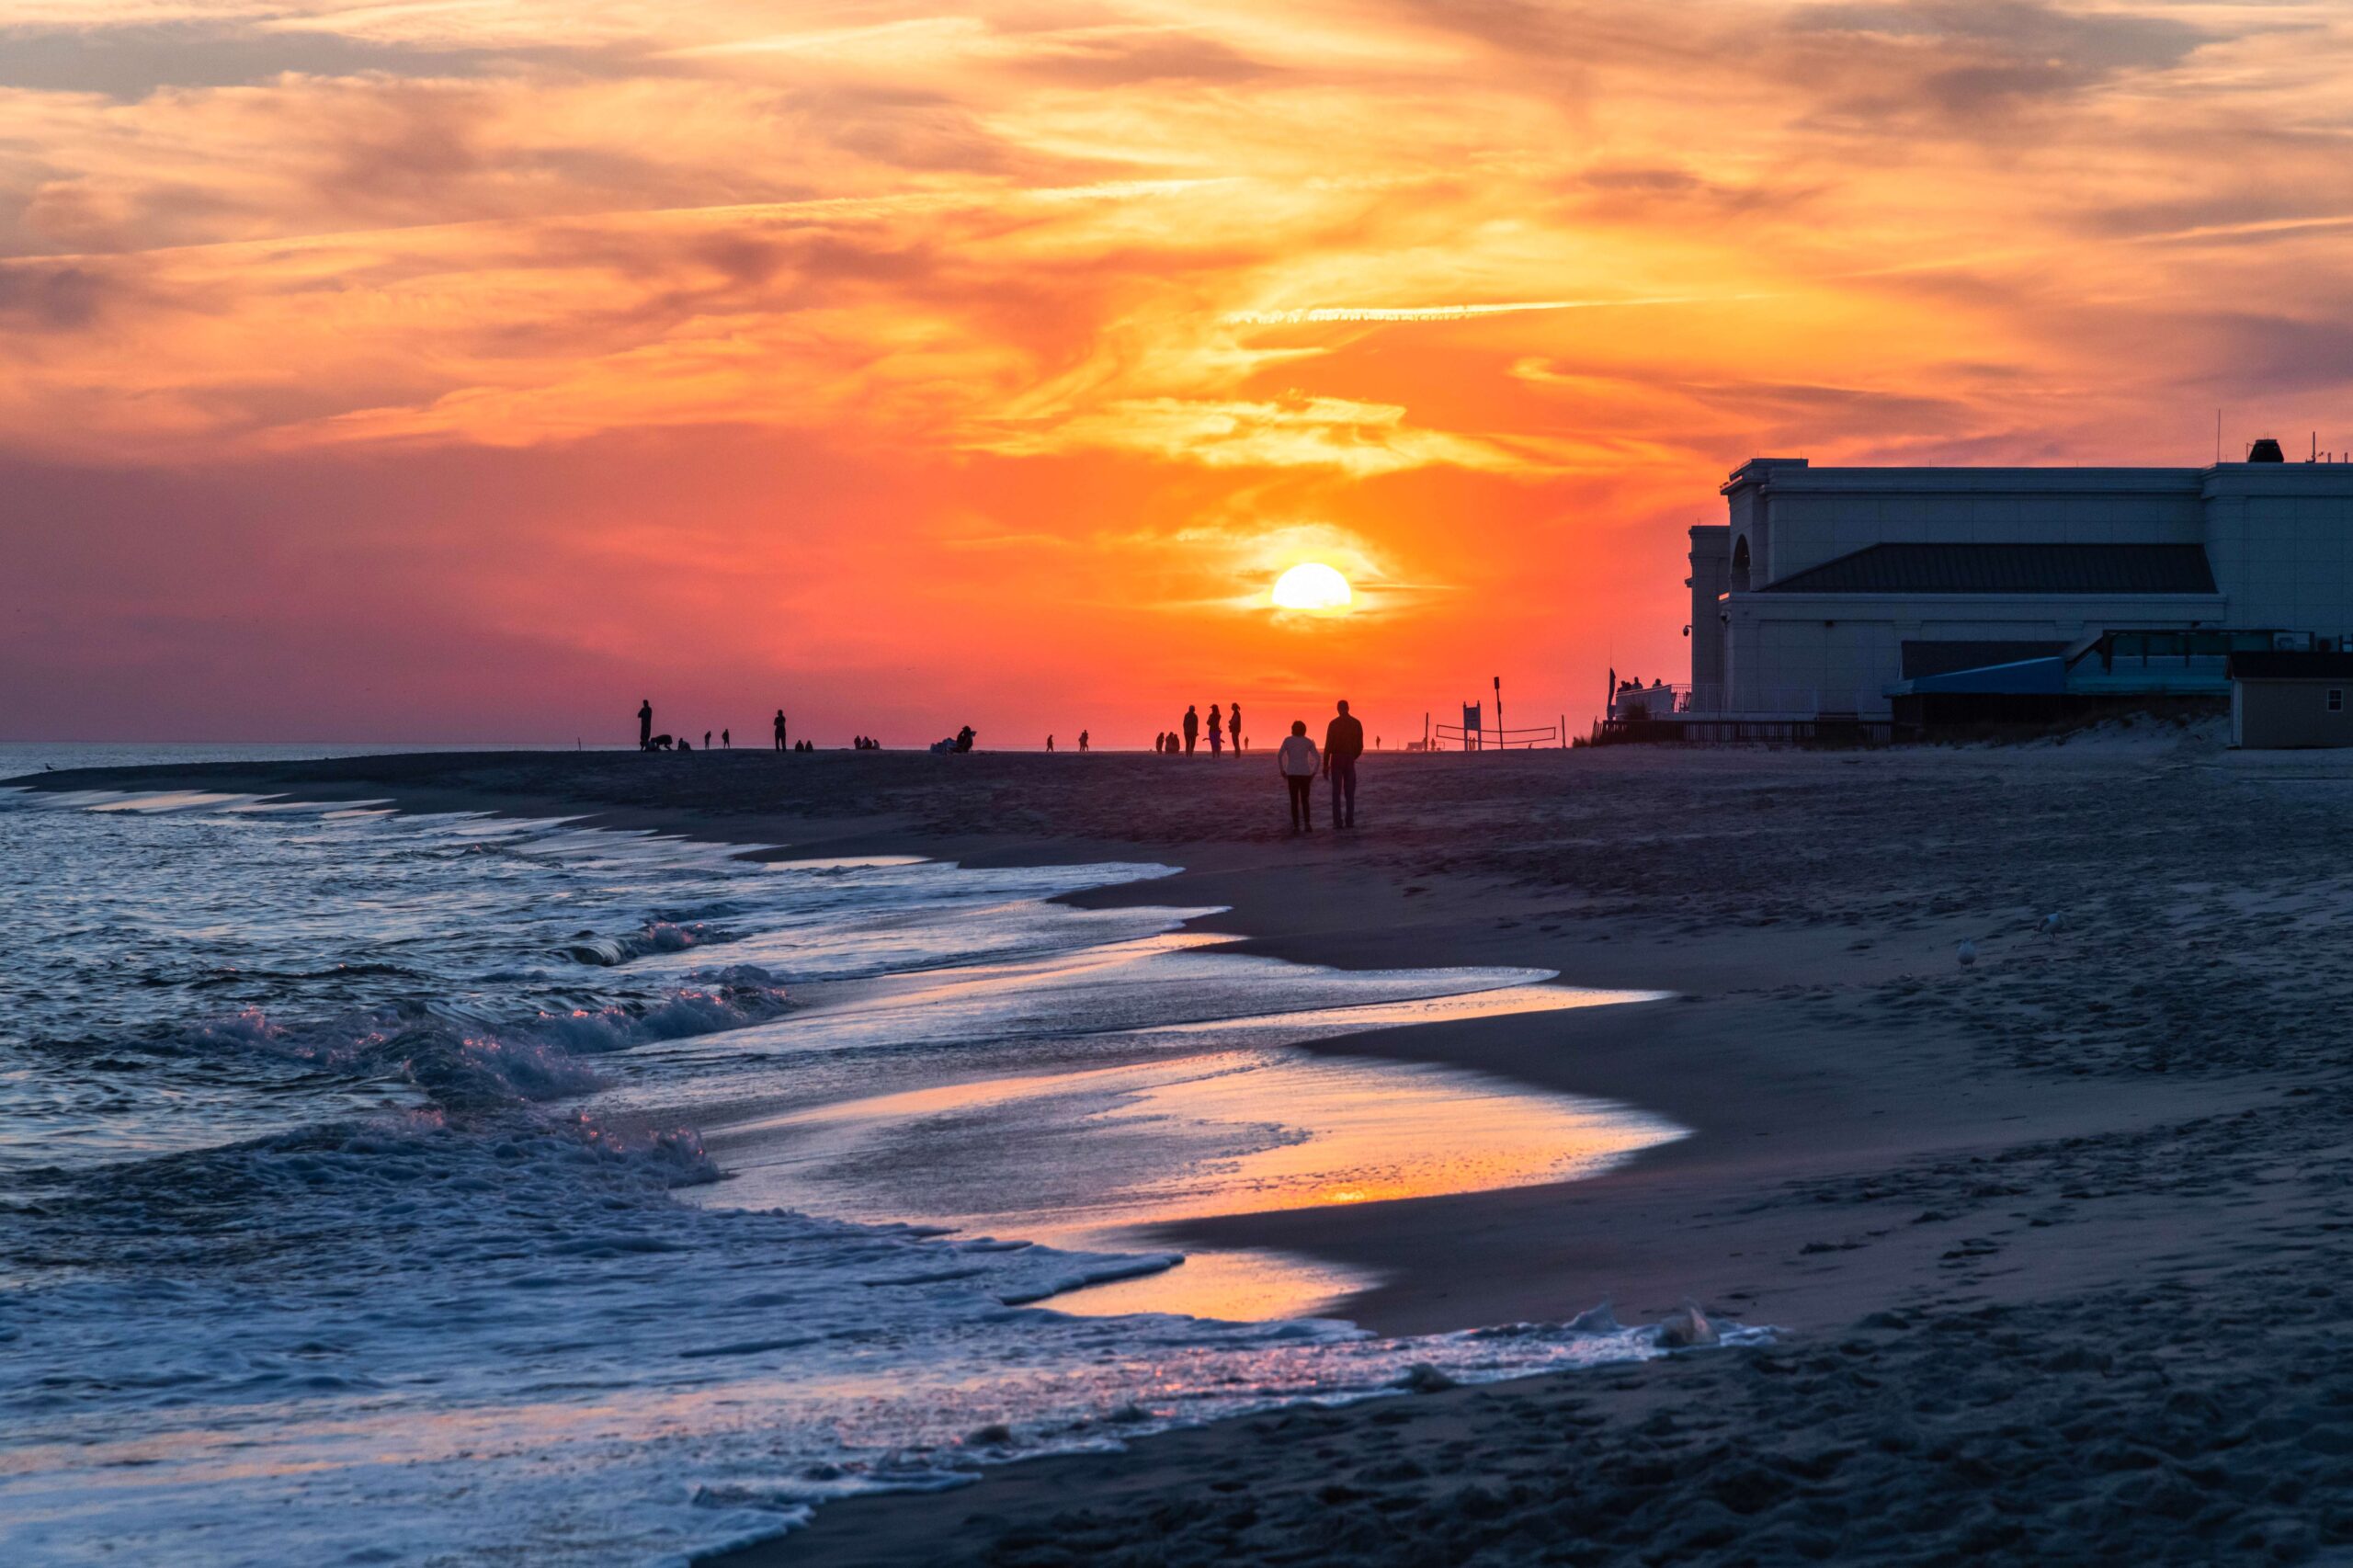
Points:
386	1188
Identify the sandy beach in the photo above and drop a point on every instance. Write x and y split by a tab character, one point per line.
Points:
2052	1240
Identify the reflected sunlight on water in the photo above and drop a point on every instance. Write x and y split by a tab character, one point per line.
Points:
348	1149
1093	1158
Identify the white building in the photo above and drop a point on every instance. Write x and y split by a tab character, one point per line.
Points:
1830	586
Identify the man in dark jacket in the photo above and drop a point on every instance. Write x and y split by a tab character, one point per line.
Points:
1192	728
1343	743
645	725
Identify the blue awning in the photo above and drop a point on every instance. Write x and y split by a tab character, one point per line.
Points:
2022	677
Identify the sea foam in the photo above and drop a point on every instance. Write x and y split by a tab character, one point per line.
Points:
324	1245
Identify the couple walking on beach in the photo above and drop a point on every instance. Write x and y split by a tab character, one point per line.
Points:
1298	763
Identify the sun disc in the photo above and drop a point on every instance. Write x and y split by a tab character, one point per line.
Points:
1312	585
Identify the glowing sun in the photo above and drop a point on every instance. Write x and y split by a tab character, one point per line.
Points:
1312	585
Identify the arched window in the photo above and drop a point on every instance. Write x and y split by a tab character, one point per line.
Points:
1740	564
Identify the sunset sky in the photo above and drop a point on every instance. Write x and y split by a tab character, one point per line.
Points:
470	369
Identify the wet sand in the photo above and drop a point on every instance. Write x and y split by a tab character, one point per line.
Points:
2053	1238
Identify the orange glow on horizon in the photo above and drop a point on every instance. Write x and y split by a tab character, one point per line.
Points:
474	371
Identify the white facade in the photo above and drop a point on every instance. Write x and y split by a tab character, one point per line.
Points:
2273	551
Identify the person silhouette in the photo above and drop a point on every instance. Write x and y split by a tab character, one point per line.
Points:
645	725
1296	760
1192	727
1050	743
1217	731
726	741
1234	725
706	739
1343	743
1081	740
779	730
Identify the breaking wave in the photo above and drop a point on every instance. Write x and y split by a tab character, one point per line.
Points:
655	937
467	1064
306	1260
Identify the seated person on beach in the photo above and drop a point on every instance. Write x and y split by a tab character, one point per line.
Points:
1297	761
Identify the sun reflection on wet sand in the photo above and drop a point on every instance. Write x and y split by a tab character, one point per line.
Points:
1226	1117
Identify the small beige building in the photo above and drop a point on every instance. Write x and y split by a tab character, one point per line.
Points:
1827	589
2286	701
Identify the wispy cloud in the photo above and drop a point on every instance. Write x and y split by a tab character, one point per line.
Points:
1318	316
1107	301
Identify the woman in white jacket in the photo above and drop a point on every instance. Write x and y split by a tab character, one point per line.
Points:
1298	761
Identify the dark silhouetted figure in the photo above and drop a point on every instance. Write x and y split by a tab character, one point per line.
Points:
726	741
1296	760
657	743
779	730
1081	740
706	739
685	744
1050	743
1192	728
1234	725
965	737
1343	743
645	725
1217	731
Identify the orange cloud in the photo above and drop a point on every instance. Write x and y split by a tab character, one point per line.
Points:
1065	324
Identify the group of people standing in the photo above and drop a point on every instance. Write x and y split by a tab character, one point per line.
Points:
1188	733
648	741
1299	762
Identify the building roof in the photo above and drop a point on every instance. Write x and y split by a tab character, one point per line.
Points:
2007	569
2284	665
2333	479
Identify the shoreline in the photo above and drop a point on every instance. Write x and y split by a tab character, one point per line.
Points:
1711	1058
2043	1145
